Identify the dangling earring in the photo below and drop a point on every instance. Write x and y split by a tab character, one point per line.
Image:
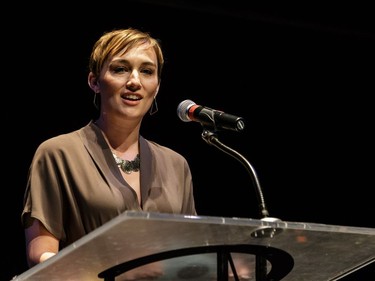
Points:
94	102
154	107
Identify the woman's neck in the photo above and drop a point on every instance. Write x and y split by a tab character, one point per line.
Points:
123	140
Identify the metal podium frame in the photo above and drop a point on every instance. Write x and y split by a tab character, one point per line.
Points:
200	248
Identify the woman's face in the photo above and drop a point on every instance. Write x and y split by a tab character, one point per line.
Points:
129	82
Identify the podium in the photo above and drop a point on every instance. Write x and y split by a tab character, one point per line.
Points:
201	247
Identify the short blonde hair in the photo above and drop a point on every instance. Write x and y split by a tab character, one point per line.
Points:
116	41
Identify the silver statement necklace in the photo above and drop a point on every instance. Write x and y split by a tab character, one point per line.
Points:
126	165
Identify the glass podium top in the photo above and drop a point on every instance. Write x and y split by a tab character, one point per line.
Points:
179	247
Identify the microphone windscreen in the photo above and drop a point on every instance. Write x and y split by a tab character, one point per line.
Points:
183	110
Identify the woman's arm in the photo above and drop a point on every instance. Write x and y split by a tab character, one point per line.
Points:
40	243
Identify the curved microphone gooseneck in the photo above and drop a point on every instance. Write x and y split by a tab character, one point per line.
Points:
211	138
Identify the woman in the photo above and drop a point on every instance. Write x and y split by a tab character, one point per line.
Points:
81	180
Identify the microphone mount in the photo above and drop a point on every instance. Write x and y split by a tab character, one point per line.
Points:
211	138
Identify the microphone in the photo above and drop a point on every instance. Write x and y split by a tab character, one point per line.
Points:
188	111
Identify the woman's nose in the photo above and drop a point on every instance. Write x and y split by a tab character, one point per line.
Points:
134	82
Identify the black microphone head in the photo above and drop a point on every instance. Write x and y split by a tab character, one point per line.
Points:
183	110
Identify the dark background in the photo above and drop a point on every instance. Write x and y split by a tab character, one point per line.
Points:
301	76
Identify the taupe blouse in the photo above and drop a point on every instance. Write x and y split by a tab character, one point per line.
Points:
75	186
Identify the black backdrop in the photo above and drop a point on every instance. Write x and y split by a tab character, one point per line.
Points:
302	77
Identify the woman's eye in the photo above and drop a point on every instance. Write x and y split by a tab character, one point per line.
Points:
148	71
120	69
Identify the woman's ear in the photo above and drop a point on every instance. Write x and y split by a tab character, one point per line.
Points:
93	82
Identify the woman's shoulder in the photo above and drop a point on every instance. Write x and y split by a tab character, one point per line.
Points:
62	141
